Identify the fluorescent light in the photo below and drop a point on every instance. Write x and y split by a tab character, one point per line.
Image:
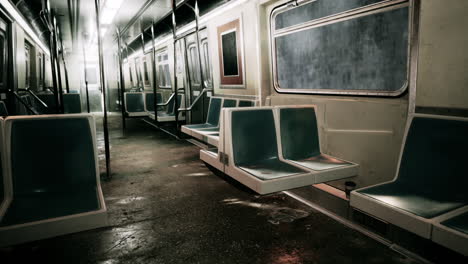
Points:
107	16
113	4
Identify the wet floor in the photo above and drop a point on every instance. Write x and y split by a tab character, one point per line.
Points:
166	206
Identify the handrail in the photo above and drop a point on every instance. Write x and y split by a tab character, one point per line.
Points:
195	101
168	100
34	112
35	97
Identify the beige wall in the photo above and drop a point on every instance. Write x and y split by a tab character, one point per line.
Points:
247	13
443	57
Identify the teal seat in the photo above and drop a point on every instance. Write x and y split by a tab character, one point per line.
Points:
432	177
212	120
53	174
300	140
134	102
149	101
3	109
49	100
254	145
227	103
72	103
459	223
244	103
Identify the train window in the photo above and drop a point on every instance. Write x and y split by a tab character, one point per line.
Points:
364	51
145	72
194	65
27	64
164	74
206	65
3	54
91	75
316	10
230	53
138	73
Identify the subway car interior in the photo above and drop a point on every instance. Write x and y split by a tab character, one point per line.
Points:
233	131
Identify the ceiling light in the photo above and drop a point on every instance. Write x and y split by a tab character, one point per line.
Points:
113	4
107	16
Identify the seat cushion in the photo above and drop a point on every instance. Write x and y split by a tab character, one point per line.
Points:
459	223
270	169
422	201
322	162
44	204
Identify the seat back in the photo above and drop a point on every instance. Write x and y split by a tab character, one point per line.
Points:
72	103
253	136
149	101
299	133
134	102
3	109
59	156
214	110
229	103
245	103
434	155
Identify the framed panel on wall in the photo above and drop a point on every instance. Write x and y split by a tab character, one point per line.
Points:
230	55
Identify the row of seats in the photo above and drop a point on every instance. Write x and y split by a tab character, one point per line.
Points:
141	104
271	149
50	182
428	195
209	131
71	103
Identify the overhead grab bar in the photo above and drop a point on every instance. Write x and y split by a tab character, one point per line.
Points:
196	100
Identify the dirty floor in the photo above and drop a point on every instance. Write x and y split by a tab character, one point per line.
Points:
166	206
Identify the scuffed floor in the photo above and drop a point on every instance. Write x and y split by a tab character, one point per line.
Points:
166	206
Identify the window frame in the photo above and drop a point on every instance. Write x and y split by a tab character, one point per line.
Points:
381	7
27	64
167	84
206	65
193	64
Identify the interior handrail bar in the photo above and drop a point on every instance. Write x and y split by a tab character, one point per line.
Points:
167	101
34	112
35	97
205	90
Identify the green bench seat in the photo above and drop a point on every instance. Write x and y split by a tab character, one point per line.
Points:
135	104
72	103
254	145
300	140
431	178
149	101
54	175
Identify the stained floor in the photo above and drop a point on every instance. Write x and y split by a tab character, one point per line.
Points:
166	206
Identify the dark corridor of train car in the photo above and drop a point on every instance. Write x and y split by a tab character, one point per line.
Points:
233	131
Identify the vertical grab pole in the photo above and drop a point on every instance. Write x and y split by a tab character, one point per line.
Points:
102	79
54	73
197	37
122	81
86	80
67	85
57	62
153	63
174	35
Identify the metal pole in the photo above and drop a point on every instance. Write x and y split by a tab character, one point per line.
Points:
86	80
67	85
101	68
54	73
197	37
176	99
122	81
59	75
153	63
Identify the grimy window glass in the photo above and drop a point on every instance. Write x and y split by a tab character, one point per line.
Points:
317	9
27	64
362	53
229	46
